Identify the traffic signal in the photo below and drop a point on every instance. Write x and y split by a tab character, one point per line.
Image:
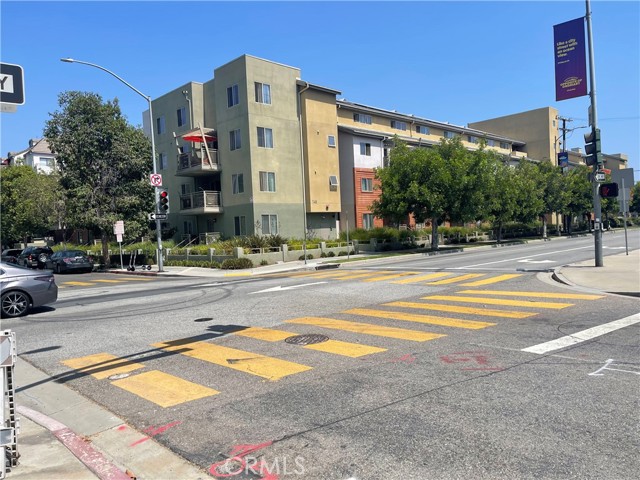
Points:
609	190
593	147
164	202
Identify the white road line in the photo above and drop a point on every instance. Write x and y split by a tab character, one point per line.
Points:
584	335
528	256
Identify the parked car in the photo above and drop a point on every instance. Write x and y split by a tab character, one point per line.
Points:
69	260
34	257
22	289
10	255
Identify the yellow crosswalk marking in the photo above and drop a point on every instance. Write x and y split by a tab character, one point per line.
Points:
458	309
568	296
138	279
499	301
412	317
253	363
361	275
429	276
488	281
388	277
164	389
456	279
368	329
102	365
110	281
346	349
80	284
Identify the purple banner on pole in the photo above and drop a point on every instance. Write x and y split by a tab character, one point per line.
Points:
570	58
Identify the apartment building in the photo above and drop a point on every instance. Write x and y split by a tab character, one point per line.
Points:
37	155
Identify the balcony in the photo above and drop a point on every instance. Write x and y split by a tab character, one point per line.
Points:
196	163
200	203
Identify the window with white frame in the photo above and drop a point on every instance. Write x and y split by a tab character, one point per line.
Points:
422	129
182	116
240	225
365	149
237	182
160	127
164	161
233	97
362	118
269	224
333	181
267	181
331	141
491	143
45	162
265	137
398	125
263	93
366	184
367	221
448	134
234	140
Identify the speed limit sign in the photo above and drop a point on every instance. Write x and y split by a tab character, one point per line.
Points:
156	179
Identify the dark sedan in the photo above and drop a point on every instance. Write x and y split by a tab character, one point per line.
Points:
10	255
22	289
69	261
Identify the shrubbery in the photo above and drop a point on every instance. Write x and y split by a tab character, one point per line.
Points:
236	264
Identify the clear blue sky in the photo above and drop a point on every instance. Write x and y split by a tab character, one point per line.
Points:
457	62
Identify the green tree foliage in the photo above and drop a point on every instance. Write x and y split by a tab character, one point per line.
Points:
28	203
104	164
553	196
579	193
634	202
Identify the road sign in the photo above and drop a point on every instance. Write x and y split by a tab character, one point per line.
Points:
155	179
118	228
600	176
11	84
158	216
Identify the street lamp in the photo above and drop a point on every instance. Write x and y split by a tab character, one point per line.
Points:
153	144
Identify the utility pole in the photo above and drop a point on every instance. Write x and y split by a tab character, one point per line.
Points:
564	131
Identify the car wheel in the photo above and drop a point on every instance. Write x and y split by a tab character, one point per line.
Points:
42	257
14	304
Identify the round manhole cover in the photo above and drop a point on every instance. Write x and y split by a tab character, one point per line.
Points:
308	339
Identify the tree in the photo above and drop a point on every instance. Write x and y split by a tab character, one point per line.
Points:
553	195
104	164
579	193
27	203
634	201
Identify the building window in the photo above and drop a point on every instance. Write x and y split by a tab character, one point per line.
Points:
448	134
472	139
491	143
367	221
233	97
362	118
237	181
240	225
263	93
164	161
333	181
422	129
366	184
504	145
46	162
398	125
265	137
182	116
160	124
234	140
269	224
267	181
331	141
365	149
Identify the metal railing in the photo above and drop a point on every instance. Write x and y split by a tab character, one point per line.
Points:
201	199
198	158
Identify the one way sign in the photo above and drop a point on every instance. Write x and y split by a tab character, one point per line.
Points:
11	84
157	216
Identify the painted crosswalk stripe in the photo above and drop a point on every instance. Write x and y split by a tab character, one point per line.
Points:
459	309
79	284
418	318
102	365
248	362
368	329
110	281
139	279
389	276
421	278
163	389
499	301
460	278
488	281
583	335
568	296
336	347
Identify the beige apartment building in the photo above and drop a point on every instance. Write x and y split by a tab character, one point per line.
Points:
258	150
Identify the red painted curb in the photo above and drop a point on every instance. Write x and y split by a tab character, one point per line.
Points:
81	448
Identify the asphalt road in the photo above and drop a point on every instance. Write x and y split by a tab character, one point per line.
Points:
428	367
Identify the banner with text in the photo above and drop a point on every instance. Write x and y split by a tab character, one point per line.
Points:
570	58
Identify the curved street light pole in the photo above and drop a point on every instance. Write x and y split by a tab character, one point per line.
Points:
153	144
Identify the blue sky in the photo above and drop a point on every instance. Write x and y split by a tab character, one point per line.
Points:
456	62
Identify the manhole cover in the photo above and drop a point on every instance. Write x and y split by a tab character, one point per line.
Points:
308	339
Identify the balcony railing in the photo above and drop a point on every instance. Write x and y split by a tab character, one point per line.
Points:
204	201
197	163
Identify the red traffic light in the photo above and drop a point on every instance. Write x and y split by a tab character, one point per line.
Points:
164	200
609	190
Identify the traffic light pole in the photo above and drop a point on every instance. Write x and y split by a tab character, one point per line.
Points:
597	207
